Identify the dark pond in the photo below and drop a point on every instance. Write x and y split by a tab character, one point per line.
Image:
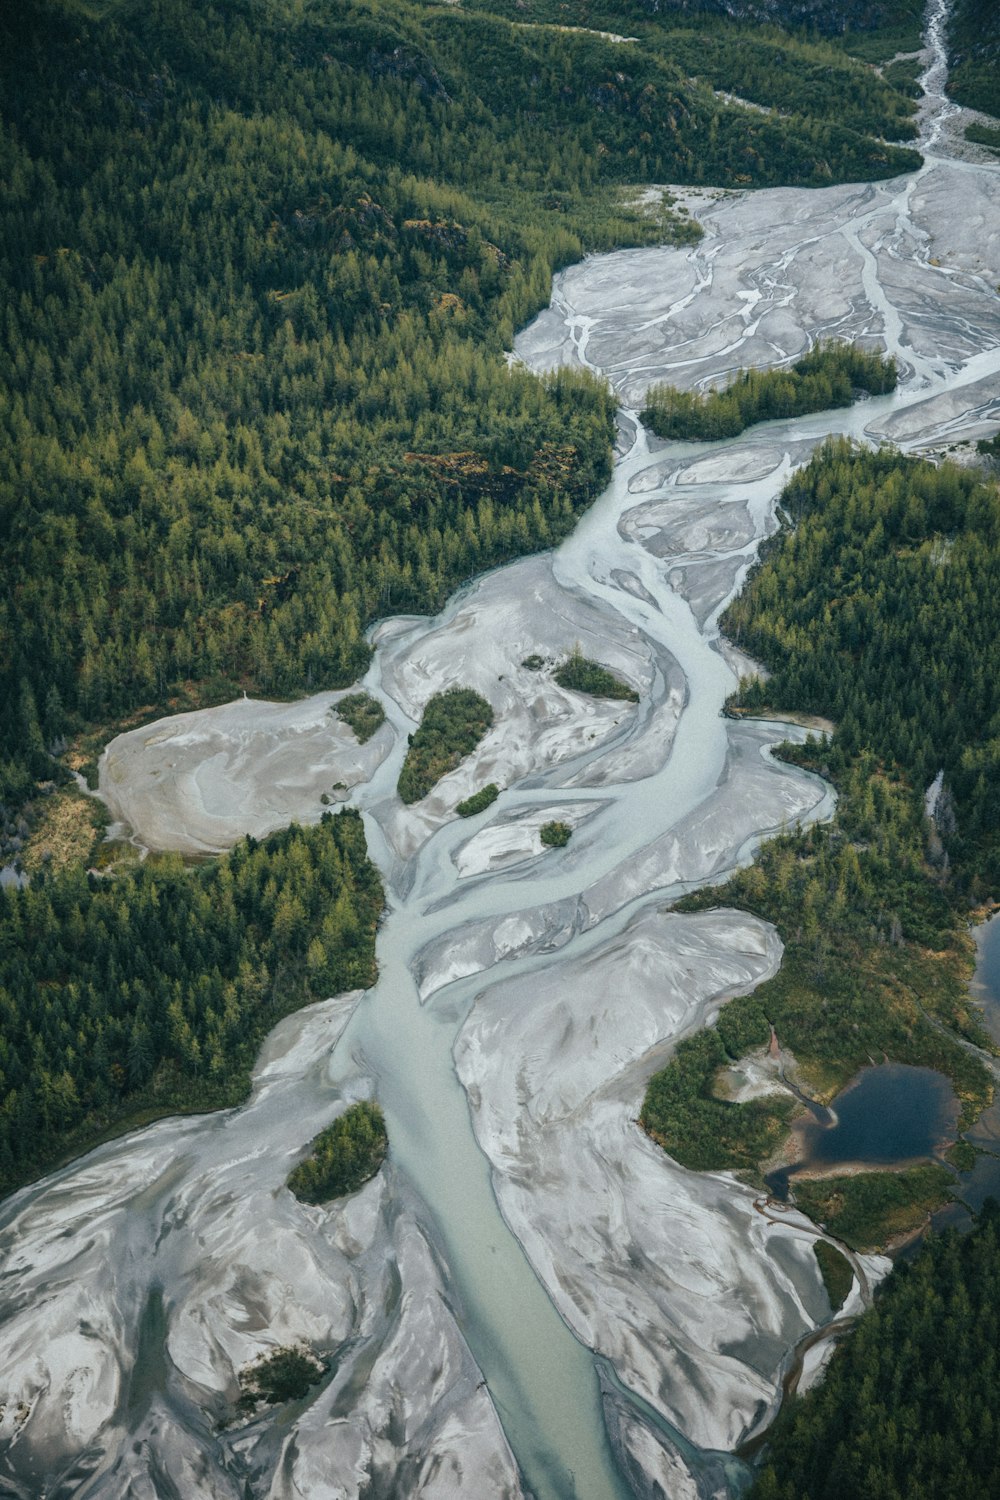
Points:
888	1115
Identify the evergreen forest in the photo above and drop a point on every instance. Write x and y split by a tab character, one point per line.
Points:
450	728
974	55
259	263
123	999
344	1156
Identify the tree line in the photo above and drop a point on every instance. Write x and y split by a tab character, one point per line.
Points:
908	1406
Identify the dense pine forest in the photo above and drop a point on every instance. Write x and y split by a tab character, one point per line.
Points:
124	999
739	48
258	266
877	607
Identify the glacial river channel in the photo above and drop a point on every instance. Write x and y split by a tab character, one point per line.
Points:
530	1299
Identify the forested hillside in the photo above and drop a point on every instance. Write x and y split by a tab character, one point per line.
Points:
974	55
830	375
879	610
796	74
258	266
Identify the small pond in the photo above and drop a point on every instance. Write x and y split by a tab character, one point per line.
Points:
889	1115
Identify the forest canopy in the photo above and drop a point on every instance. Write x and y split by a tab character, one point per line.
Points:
129	998
974	55
258	268
344	1156
908	1405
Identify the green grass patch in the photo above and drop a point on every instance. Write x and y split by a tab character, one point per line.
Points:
362	712
836	1271
343	1157
479	801
871	1208
555	835
453	723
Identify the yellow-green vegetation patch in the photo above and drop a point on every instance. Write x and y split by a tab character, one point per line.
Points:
868	1209
962	1154
362	712
836	1271
555	835
344	1156
452	725
65	833
114	855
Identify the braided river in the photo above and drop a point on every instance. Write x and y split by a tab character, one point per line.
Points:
530	1299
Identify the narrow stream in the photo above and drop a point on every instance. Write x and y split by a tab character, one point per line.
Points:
121	1266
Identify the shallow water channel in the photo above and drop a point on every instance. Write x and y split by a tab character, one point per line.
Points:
523	1225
